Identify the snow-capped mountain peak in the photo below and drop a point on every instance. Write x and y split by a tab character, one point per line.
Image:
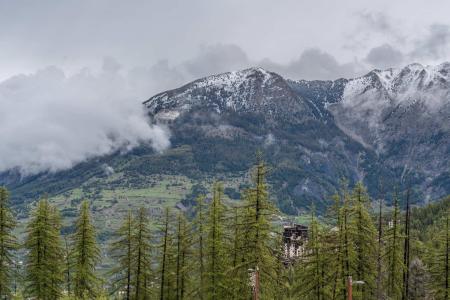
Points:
415	83
251	90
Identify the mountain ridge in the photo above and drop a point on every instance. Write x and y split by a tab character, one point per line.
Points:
313	133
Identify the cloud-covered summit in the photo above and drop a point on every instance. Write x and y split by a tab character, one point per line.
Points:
50	120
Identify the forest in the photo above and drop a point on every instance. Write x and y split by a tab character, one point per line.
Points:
223	251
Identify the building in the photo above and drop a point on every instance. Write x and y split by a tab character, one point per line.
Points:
295	237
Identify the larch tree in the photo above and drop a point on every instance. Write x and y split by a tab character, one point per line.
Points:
8	245
183	252
314	273
346	244
406	247
216	263
140	254
439	253
86	256
380	240
393	253
44	260
199	241
364	237
236	279
121	252
259	237
166	260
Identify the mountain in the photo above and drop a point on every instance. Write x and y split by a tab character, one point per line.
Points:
388	128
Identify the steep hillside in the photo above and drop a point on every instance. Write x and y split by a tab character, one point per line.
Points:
391	125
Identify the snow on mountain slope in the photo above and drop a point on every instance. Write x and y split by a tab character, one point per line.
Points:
431	84
250	90
369	102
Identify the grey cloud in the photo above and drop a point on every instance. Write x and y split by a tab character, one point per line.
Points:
312	64
156	78
378	21
435	44
384	56
316	64
217	59
51	121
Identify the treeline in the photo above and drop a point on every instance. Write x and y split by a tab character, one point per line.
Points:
224	251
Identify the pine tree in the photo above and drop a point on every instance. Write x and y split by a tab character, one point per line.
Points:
365	243
182	255
259	237
394	254
166	261
379	292
8	245
337	245
406	249
121	252
44	272
215	250
440	261
86	255
346	241
314	278
199	224
236	248
141	262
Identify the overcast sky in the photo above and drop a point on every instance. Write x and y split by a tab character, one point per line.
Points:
83	55
345	35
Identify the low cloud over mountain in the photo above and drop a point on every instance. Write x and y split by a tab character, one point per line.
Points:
50	120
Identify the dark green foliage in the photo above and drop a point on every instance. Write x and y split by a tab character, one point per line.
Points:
220	247
121	252
439	260
314	270
394	254
8	245
259	238
140	256
166	261
216	260
86	256
44	261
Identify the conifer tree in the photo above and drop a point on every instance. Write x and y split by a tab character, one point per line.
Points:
365	243
236	249
68	266
121	252
379	292
166	261
259	236
8	245
440	261
346	241
394	254
215	251
406	248
199	224
44	272
86	256
182	255
314	276
337	245
140	252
